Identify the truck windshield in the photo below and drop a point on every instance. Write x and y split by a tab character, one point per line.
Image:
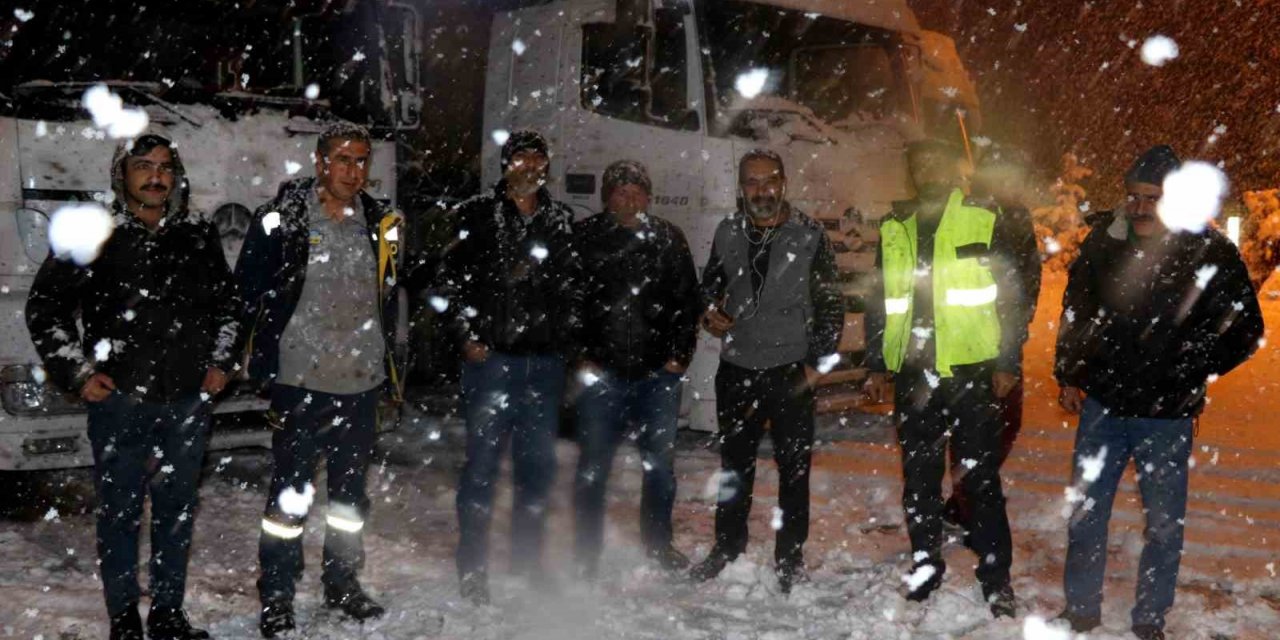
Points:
199	51
844	73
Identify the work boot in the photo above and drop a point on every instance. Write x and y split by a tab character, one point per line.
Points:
921	590
669	558
1148	632
1080	623
789	572
127	625
164	623
475	588
353	602
1001	600
711	566
277	618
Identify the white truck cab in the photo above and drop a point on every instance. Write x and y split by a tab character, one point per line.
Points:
687	86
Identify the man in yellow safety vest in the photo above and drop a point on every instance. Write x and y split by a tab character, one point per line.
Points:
947	319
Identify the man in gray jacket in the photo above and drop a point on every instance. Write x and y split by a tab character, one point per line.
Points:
771	295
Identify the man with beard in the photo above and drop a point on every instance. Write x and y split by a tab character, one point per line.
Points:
511	282
1149	317
639	333
948	318
771	294
318	278
160	313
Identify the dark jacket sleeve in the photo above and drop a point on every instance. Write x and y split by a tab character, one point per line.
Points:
456	275
873	318
1016	267
714	282
255	270
686	301
1234	322
569	292
228	308
828	304
1077	330
51	312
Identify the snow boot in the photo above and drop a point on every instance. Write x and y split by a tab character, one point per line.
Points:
127	625
711	566
922	591
1001	600
1148	632
353	602
789	573
1080	623
277	618
669	558
475	588
171	624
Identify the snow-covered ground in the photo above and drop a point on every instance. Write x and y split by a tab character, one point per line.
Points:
857	551
856	554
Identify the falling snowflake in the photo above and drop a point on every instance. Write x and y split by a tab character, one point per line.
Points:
1158	50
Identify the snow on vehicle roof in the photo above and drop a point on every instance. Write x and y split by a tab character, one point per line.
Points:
893	15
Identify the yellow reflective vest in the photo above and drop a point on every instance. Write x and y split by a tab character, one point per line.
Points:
966	326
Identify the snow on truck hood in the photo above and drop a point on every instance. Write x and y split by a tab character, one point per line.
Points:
829	169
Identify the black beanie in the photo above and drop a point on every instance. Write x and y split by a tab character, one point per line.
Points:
523	141
1152	166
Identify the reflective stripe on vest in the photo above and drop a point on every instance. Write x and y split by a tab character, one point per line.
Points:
966	326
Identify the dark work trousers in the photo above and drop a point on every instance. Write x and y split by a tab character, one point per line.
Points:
749	401
512	398
959	506
962	411
139	445
610	410
309	424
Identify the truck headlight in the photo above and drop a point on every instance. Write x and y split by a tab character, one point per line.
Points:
23	393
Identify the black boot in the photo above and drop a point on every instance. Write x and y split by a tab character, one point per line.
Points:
475	588
1001	599
669	558
172	624
921	592
1079	623
353	602
1148	632
711	566
127	625
789	572
277	618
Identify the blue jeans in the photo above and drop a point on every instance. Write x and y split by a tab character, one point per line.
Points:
517	398
608	411
1160	450
340	429
140	445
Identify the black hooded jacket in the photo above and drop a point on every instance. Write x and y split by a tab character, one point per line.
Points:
158	308
1144	325
513	282
641	294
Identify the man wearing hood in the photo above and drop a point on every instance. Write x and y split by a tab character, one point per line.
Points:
771	293
1150	317
511	280
161	324
317	273
947	319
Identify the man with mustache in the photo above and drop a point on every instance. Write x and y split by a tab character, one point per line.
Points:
1150	317
512	284
771	294
160	319
948	318
317	274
